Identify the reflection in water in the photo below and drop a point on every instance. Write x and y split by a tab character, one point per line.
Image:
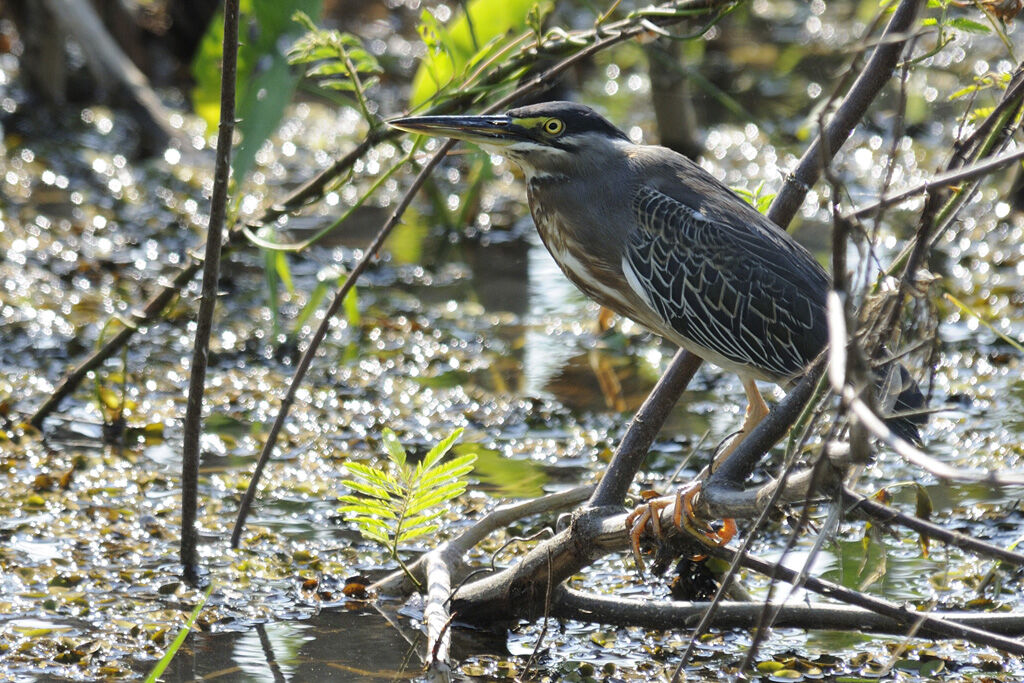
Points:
332	646
552	297
269	652
335	645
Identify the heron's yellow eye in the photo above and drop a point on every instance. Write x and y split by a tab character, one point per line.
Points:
553	126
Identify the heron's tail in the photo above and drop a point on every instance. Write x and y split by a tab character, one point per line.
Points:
900	401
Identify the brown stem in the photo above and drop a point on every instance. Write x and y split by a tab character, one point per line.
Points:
888	515
211	273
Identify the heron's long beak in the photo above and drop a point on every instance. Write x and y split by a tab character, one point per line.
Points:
490	130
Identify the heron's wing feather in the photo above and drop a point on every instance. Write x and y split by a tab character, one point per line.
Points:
728	286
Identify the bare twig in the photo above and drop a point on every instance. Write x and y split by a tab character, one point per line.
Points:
884	514
875	424
978	170
872	78
544	626
211	271
931	626
643	429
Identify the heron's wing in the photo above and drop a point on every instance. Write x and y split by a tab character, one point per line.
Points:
728	285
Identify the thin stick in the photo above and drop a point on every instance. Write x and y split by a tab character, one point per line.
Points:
873	77
673	615
544	626
211	272
887	515
931	626
971	172
878	428
321	333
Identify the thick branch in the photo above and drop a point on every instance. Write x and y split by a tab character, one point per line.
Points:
643	429
658	614
949	178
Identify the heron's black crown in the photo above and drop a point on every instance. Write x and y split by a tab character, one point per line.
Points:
578	119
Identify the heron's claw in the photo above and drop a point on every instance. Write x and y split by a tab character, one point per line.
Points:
683	516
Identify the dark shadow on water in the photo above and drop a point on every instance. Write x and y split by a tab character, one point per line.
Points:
335	645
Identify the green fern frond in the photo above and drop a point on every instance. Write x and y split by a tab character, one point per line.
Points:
397	502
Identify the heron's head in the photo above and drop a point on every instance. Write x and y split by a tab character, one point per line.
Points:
551	138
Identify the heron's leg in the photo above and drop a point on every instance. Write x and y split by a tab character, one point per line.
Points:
756	411
684	515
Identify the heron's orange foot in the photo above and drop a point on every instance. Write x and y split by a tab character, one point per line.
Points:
637	520
683	516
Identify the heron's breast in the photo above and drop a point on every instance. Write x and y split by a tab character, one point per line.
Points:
579	253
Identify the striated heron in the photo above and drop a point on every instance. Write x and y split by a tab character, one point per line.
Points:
651	235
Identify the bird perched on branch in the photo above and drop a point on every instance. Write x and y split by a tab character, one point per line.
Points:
651	235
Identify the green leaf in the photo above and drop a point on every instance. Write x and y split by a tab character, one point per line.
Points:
416	533
969	25
179	640
316	297
369	490
264	83
436	497
338	61
391	444
451	48
453	469
371	474
351	307
372	512
400	503
284	271
438	451
270	279
420	520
